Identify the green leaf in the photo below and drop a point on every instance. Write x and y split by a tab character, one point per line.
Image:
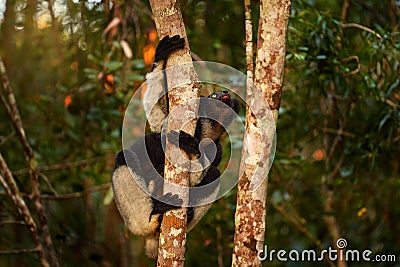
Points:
94	59
138	64
88	87
135	77
114	65
346	171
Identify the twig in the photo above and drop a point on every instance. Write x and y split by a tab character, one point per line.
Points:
47	180
13	112
68	195
356	70
5	139
345	8
355	25
18	251
77	194
143	8
339	132
12	222
301	228
220	248
8	182
327	191
65	165
389	102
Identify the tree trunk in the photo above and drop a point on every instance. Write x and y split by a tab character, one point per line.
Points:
260	130
182	85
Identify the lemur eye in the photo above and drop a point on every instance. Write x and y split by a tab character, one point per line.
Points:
214	95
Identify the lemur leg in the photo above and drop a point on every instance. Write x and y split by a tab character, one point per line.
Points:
166	46
205	195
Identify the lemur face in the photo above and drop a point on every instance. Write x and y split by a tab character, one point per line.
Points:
222	96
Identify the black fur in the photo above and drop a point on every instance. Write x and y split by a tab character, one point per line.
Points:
141	167
165	47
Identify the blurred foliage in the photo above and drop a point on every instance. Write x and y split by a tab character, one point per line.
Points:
339	121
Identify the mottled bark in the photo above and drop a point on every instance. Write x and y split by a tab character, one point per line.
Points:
182	86
271	49
260	130
249	42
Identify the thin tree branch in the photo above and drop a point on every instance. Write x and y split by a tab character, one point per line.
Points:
339	132
345	8
64	165
77	194
47	180
301	227
19	251
8	182
355	25
249	42
327	190
5	139
7	222
143	8
220	248
13	112
69	195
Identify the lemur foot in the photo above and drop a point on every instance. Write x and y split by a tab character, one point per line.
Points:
166	203
168	45
190	214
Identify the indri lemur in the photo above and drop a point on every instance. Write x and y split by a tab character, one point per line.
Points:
138	171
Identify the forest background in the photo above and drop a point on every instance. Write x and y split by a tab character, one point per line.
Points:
337	159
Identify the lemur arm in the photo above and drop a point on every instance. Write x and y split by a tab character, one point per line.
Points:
155	100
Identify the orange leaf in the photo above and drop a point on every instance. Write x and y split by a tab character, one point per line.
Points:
110	78
148	54
319	154
362	212
109	84
152	35
74	65
67	100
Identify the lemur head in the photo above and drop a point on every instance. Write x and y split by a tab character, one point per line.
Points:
221	111
222	96
214	116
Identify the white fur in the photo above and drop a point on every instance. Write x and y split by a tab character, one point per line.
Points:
152	246
154	92
135	206
133	203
